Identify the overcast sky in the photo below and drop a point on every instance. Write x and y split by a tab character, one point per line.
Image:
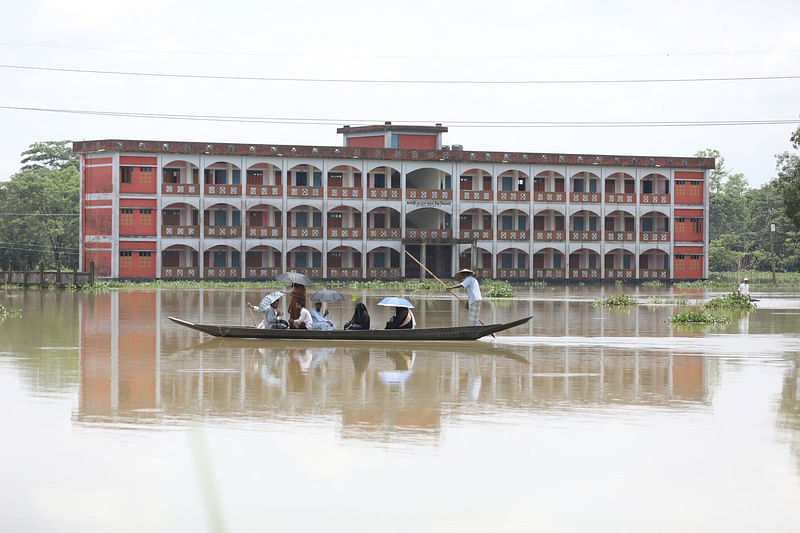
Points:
406	41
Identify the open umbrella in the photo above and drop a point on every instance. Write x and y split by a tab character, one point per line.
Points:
326	295
269	299
394	301
295	277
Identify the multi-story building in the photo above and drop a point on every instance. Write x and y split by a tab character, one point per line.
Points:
165	209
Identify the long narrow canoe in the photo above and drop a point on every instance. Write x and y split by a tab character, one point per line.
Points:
458	333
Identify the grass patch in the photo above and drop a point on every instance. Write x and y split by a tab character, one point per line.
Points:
618	300
699	318
730	301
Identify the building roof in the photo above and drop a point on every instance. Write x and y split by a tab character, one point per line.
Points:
389	154
388	126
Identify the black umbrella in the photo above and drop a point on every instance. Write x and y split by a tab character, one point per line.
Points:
326	295
294	277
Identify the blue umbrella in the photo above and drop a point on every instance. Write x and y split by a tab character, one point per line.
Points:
269	299
394	301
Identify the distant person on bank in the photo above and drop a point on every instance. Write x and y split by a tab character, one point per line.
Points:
466	278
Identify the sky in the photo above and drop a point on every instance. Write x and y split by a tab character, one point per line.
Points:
397	46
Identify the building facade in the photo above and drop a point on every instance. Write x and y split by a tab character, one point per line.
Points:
188	210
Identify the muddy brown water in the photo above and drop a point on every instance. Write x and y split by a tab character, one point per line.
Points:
583	419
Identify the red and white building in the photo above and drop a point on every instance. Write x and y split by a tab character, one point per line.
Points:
189	210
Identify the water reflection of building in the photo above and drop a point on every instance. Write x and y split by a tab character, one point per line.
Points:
138	368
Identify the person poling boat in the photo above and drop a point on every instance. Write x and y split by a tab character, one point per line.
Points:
466	278
744	289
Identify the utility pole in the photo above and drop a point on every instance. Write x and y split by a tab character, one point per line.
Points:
771	232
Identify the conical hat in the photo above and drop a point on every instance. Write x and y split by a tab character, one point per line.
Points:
465	272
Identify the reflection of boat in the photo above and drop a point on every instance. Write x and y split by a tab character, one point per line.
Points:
458	333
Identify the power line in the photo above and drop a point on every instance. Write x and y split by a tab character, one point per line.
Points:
665	53
458	123
399	81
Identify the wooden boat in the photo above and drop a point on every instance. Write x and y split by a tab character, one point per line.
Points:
458	333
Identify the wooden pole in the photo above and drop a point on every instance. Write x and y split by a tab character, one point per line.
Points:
442	282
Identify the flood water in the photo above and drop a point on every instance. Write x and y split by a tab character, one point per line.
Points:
584	419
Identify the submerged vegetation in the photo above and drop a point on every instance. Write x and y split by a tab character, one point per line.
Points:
699	317
730	301
9	312
497	289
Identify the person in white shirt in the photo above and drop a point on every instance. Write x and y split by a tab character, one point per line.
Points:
744	288
470	284
304	320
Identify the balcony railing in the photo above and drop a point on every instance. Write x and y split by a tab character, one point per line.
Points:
383	194
263	272
304	233
544	196
653	274
265	190
585	236
345	192
388	234
223	232
311	272
180	188
654	199
549	235
296	191
344	233
264	232
512	273
654	236
180	272
432	234
476	196
344	273
620	236
620	198
584	273
223	190
512	235
585	197
549	273
180	231
620	273
476	234
429	194
484	273
383	273
513	196
222	273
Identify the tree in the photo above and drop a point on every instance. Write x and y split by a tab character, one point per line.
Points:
789	180
39	207
53	155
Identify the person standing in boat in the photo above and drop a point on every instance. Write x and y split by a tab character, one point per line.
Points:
298	293
466	278
744	289
320	320
303	321
360	318
403	319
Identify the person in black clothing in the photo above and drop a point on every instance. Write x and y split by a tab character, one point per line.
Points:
403	319
360	318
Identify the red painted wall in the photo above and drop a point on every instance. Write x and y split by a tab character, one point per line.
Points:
137	259
421	142
137	216
366	142
688	192
689	225
97	179
102	261
97	221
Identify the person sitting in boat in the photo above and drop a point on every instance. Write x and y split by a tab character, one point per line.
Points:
320	319
271	316
403	319
304	320
360	318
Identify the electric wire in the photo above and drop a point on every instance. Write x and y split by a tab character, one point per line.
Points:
398	80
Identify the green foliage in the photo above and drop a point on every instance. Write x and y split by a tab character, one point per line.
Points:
39	208
730	301
617	300
497	289
789	180
9	312
699	317
653	283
